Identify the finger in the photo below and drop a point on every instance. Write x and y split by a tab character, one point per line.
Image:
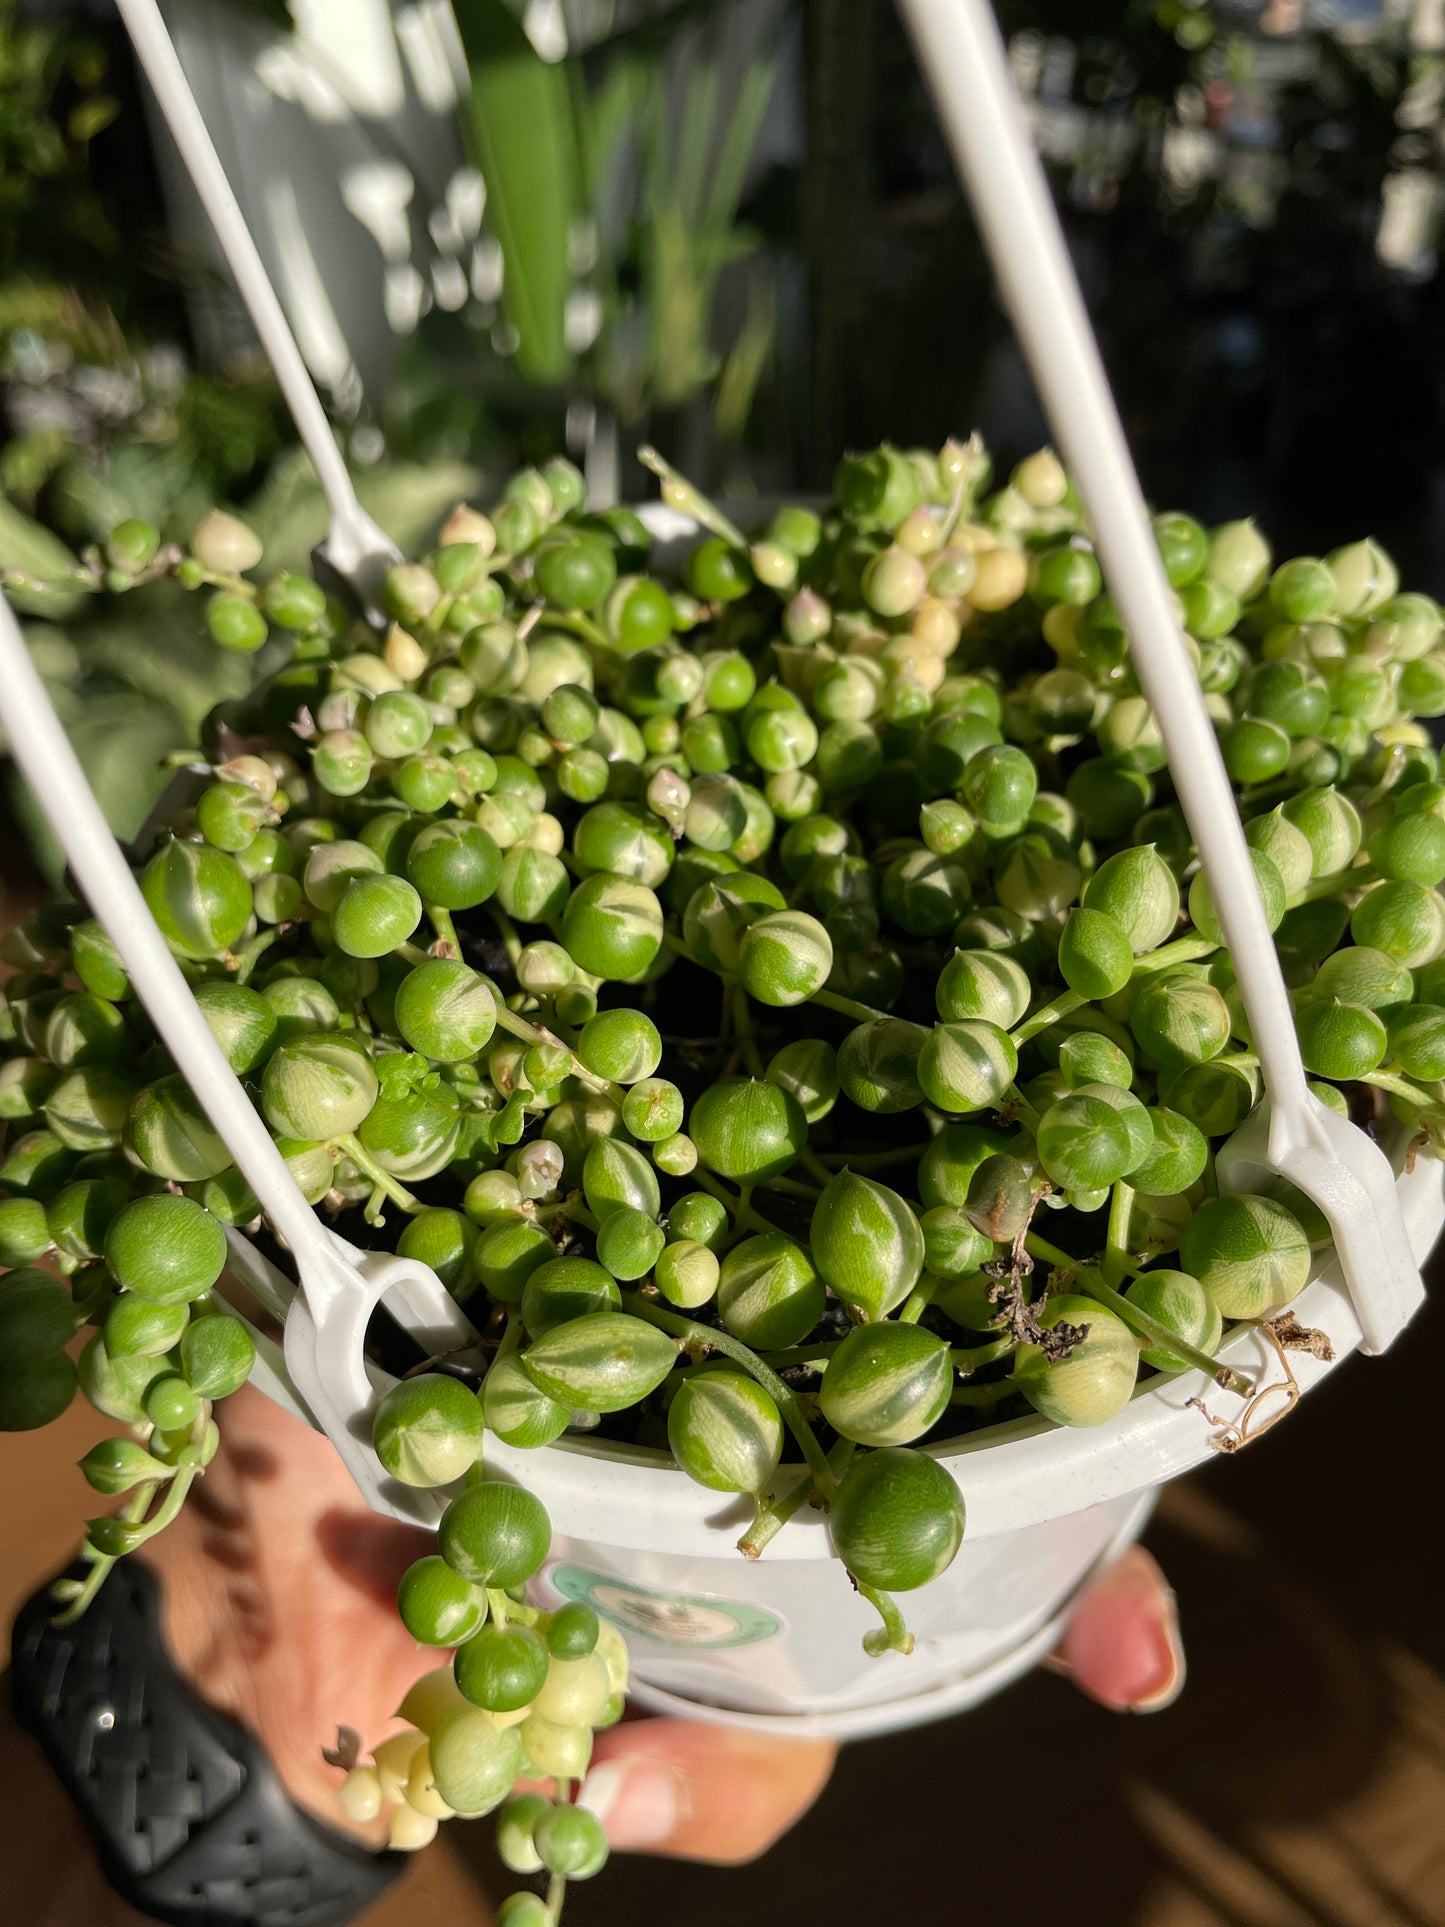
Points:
702	1792
1122	1647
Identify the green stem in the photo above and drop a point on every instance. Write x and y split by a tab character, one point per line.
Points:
1335	884
847	1006
1120	1210
791	1187
133	1511
579	625
893	1636
1091	1280
506	930
810	1161
250	954
801	1354
743	1024
680	494
1403	1087
969	1358
1182	950
1038	1247
515	1026
875	1160
383	1180
1014	1101
1046	1014
441	922
982	1397
412	952
919	1299
785	1398
740	1206
771	1518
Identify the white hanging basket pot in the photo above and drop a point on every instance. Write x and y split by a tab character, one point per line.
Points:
777	1641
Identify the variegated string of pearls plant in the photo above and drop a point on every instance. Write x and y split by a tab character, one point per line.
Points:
584	928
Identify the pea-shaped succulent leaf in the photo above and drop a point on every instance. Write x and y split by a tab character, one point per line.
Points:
983	983
1268	883
747	1129
1250	1254
445	1241
1338	1040
1360	975
1330	822
807	1069
897	1519
199	898
1000	1198
473	1762
427	1431
37	1318
374	915
1085	1372
769	1292
629	1243
517	1411
502	1668
494	1534
622	1045
321	1086
1137	889
601	1362
454	864
718	912
687	1273
563	1289
437	1607
38	1394
725	1431
878	1065
165	1248
887	1384
1405	920
1093	1137
445	1010
171	1135
1180	1302
1417	1042
966	1066
952	1155
217	1354
1216	1097
867	1243
784	957
1179	1020
612	927
1176	1158
240	1020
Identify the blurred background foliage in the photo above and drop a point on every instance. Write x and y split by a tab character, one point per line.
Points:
729	227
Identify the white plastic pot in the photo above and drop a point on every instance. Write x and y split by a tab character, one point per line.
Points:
776	1643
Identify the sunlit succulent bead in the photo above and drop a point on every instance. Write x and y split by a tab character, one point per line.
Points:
165	1248
234	622
878	1065
878	489
87	1109
1176	1300
616	1176
887	1384
784	957
1096	958
533	887
329	867
445	1010
897	1519
653	1111
517	1411
1239	559
1249	1253
562	1289
424	783
318	1087
622	1045
1093	1137
866	1243
612	927
1107	798
341	762
445	1241
602	1362
1137	889
807	618
780	734
1404	920
171	1135
507	1254
698	1217
725	1431
1417	1041
894	581
628	1243
1410	848
769	1293
35	1164
1176	1158
1179	1019
1095	1381
1001	1197
747	1129
1331	823
954	1247
687	1274
1338	1040
1364	578
199	898
1210	609
85	1029
983	983
427	1431
925	894
374	915
25	1083
966	1066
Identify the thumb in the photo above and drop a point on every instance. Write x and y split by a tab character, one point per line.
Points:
702	1792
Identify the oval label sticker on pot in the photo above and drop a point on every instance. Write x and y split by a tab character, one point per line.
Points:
670	1618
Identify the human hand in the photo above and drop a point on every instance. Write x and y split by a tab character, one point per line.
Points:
280	1590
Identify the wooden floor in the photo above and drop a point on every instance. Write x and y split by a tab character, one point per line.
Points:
1299	1782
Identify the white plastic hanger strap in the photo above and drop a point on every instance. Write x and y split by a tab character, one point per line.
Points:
963	56
355	547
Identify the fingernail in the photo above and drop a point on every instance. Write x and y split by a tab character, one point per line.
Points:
637	1803
1172	1667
